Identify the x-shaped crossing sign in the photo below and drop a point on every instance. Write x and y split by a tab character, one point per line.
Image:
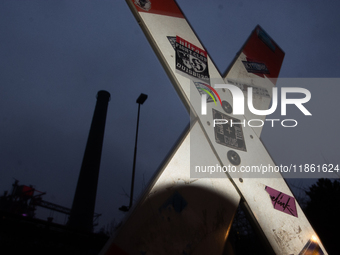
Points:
219	161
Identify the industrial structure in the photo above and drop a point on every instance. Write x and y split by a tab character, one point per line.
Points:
82	211
21	231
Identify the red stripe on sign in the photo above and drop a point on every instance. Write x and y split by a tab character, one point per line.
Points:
260	48
161	7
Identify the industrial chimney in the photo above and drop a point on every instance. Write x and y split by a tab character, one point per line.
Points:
81	217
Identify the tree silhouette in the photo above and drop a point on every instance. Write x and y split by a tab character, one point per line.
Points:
323	211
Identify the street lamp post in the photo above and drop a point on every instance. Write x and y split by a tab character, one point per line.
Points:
140	100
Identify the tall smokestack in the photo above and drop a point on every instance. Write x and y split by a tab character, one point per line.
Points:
82	211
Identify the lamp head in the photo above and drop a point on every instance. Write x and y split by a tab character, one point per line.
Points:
141	99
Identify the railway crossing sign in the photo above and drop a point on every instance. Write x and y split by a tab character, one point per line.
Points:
189	206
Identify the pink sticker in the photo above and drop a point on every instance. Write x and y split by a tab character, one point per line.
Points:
282	201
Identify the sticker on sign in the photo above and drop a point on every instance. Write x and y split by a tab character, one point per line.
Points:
191	61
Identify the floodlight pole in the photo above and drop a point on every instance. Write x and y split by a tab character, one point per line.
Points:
140	100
